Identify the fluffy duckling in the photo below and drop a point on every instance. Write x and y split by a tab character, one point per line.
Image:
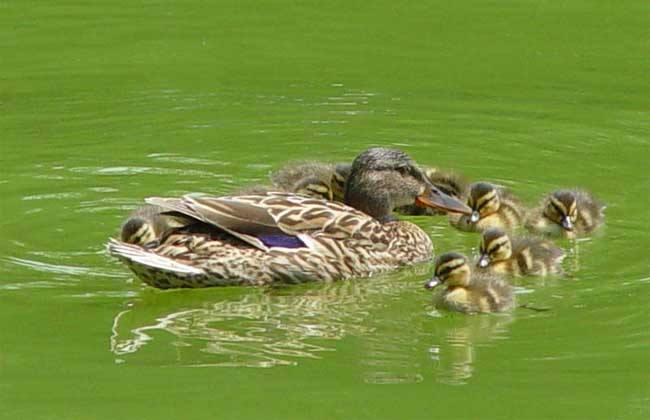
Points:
492	206
568	213
339	178
308	178
466	291
146	225
450	183
517	256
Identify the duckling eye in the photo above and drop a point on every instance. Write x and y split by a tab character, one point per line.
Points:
556	208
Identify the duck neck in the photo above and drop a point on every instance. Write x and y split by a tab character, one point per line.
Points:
369	199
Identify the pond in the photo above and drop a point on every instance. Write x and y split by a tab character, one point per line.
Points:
105	104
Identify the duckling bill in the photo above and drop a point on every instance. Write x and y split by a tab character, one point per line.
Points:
466	291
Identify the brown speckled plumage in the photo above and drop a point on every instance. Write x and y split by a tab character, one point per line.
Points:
341	243
282	237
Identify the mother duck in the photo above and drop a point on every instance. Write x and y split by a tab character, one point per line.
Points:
289	238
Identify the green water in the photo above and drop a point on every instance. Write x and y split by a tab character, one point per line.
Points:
102	104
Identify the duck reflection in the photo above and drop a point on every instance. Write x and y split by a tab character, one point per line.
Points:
249	327
267	327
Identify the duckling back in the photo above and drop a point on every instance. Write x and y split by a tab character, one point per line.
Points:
486	293
591	213
290	175
536	257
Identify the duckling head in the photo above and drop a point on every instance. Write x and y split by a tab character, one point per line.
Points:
137	231
313	187
339	178
483	199
562	208
382	179
495	246
451	269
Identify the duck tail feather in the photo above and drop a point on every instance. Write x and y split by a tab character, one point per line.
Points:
137	255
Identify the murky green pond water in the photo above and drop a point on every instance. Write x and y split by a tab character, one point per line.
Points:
104	104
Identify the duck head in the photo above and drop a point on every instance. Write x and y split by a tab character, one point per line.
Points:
452	269
382	179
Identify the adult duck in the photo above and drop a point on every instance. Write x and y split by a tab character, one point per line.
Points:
289	238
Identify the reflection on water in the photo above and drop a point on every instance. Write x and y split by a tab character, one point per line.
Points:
262	328
455	355
281	326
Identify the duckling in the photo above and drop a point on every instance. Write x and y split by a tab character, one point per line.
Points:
146	225
568	213
309	178
339	178
492	206
466	291
450	183
518	256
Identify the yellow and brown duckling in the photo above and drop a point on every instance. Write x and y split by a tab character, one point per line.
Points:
567	213
290	238
518	256
452	184
467	291
492	206
146	225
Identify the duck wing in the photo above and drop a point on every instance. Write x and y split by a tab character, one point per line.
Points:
264	219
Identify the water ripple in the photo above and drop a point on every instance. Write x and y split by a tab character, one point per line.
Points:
263	328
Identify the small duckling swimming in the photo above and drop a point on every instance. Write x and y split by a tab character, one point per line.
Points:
491	207
567	213
517	256
466	291
146	225
450	183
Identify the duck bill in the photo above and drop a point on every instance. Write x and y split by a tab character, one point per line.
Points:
432	283
567	224
483	261
436	199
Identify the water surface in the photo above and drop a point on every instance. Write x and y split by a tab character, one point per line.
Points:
104	104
